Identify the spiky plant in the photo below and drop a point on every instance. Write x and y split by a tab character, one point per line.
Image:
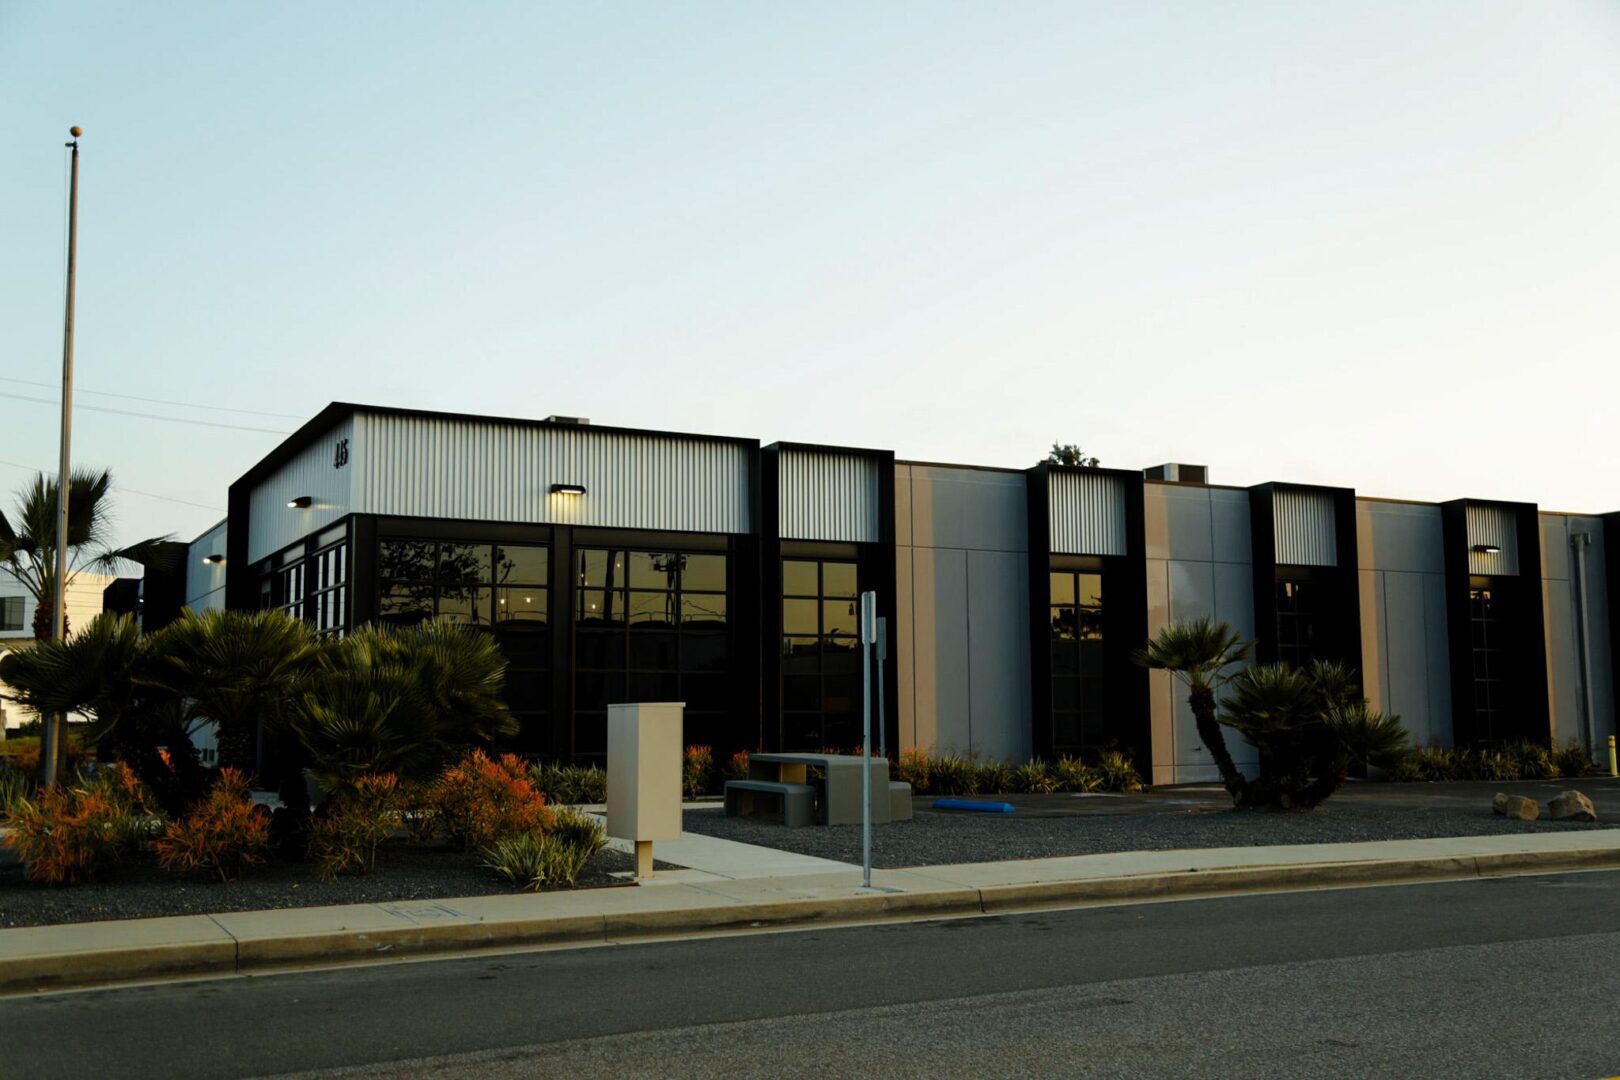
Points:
1200	652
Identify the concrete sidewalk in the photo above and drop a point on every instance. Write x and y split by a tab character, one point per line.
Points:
46	957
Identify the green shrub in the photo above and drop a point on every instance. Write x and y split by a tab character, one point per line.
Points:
996	778
737	766
1533	761
1117	773
1573	759
697	771
534	860
954	775
571	785
580	830
1074	775
1034	778
14	786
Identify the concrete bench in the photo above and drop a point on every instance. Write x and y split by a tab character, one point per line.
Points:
798	801
899	800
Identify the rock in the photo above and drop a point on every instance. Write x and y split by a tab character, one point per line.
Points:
1519	808
1571	806
1499	803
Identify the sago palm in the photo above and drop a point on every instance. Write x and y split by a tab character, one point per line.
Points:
1199	652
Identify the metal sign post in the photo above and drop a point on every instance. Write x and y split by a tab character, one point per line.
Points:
869	628
882	659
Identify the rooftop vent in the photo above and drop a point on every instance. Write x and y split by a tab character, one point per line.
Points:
578	421
1177	473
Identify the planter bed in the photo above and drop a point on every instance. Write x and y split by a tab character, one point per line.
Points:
137	888
1040	828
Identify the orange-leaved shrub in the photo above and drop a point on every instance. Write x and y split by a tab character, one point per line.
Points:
65	835
737	766
222	835
697	769
481	799
356	821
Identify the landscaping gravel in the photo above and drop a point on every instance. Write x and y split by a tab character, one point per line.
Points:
936	837
138	888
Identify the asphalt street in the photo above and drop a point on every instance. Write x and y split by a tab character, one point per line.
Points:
1497	977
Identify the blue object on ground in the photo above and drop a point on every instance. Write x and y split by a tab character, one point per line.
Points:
969	804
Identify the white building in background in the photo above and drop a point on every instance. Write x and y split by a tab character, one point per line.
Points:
17	607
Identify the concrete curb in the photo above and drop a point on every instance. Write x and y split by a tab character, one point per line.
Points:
196	948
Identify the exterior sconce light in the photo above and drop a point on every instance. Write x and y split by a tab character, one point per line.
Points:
213	560
302	502
568	489
1488	549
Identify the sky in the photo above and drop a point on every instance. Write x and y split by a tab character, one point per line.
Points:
1366	244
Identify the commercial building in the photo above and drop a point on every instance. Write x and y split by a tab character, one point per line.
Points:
624	565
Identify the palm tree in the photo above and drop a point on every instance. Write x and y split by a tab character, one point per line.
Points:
100	672
239	669
1199	652
28	539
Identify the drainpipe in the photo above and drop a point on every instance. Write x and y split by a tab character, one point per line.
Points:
1580	542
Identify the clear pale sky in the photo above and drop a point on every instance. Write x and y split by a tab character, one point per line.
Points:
1369	244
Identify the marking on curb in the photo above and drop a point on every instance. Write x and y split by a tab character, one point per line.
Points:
422	911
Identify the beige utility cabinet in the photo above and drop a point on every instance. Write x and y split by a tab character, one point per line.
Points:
644	775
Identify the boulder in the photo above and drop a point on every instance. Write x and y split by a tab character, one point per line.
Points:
1499	803
1571	806
1520	808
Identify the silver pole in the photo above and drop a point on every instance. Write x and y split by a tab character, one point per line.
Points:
868	639
882	666
55	726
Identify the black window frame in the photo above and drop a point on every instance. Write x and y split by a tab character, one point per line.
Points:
840	680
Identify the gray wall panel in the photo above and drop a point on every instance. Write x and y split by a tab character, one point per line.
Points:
205	582
998	654
902	505
968	509
827	496
272	525
1230	526
1399	536
943	690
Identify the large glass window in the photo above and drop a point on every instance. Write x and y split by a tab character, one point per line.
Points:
1078	698
331	592
1300	606
649	626
1490	687
821	655
500	587
11	613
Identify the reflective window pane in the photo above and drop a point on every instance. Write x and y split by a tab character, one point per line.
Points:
1062	588
405	560
652	650
703	609
652	609
522	565
704	651
838	579
704	573
465	563
464	604
1091	590
800	617
840	617
799	578
600	569
405	604
654	570
801	654
520	605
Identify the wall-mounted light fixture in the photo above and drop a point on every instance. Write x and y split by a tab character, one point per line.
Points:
302	502
213	560
568	489
1488	549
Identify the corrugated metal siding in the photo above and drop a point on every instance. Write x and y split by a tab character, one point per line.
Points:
1303	528
487	471
827	496
1087	513
272	525
1492	525
205	582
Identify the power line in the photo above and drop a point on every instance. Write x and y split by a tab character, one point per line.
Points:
153	401
130	490
146	416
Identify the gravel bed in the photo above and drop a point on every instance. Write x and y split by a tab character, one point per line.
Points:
137	888
935	837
